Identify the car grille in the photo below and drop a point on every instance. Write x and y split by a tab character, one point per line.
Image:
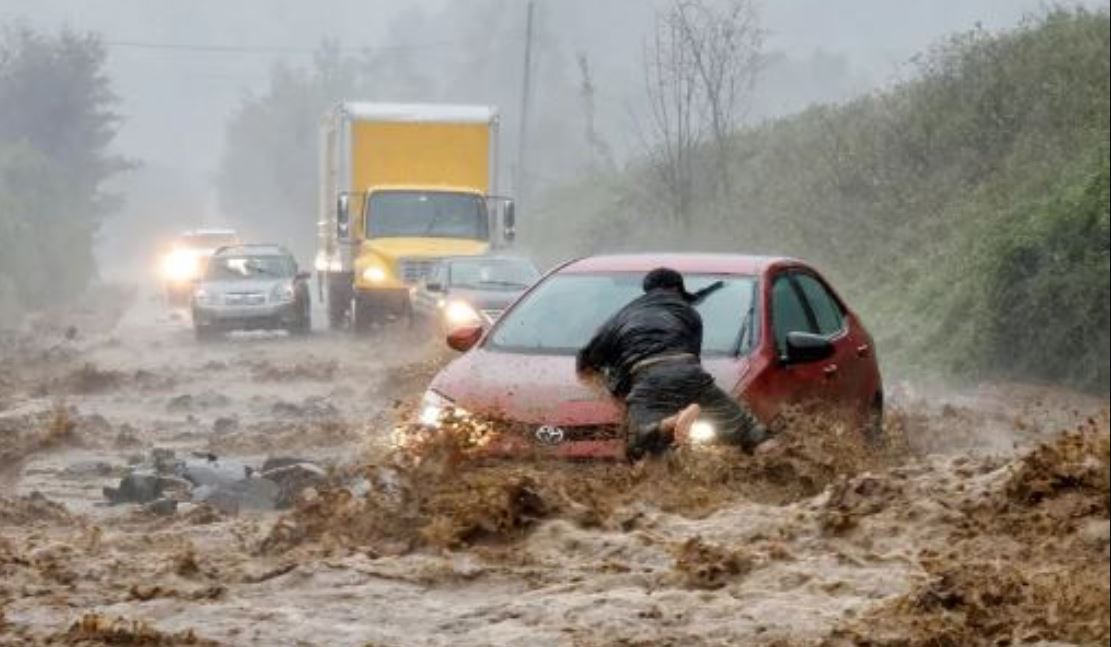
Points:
244	298
545	436
491	315
413	270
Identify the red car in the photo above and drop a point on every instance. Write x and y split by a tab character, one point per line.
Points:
777	334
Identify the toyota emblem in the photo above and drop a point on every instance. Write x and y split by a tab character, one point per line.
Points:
549	435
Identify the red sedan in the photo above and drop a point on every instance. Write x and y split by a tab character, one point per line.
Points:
775	335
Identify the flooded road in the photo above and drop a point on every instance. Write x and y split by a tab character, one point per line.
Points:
985	519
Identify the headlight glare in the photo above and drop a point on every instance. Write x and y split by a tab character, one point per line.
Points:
460	313
702	432
374	274
432	408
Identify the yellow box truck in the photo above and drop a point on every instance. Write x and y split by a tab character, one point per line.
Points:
401	186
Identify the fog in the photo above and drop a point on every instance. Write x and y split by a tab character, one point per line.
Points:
182	68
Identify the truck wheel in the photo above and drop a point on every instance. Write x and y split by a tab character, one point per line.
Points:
362	315
339	303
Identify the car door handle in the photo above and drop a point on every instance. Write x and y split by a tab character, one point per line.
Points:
863	350
830	370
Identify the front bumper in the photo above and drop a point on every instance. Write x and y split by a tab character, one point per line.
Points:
247	317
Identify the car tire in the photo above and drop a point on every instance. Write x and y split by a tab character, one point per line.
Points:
339	302
204	333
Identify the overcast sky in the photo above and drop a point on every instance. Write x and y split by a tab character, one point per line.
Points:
176	100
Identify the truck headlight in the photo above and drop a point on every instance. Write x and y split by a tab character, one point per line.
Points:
702	432
282	293
374	274
460	313
432	408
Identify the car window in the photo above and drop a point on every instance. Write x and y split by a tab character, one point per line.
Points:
825	308
561	314
493	274
238	268
436	275
788	312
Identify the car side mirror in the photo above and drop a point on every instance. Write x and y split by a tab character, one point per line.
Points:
434	286
343	215
464	338
804	347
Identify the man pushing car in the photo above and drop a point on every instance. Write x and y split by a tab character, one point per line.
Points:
648	354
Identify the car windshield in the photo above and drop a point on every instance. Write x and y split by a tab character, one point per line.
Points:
239	268
561	314
393	214
493	274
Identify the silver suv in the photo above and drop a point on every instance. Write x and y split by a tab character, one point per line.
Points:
251	287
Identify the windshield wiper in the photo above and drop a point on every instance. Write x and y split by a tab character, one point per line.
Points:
746	329
507	284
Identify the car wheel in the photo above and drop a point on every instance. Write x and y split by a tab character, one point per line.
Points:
204	333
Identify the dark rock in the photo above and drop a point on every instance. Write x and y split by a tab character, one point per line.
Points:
136	487
246	494
161	507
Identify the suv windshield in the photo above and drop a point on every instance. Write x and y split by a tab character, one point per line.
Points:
492	274
561	314
237	268
393	214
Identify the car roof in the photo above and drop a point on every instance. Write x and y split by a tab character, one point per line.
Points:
679	261
253	249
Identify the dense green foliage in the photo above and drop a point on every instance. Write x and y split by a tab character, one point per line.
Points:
55	128
964	211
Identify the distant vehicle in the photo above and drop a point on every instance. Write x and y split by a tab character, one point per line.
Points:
469	290
402	186
183	264
775	335
251	287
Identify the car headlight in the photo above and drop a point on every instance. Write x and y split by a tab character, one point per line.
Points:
282	293
432	408
460	313
702	432
374	274
180	265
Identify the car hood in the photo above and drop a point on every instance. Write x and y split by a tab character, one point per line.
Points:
486	299
392	249
541	389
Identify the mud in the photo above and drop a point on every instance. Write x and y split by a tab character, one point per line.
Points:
981	517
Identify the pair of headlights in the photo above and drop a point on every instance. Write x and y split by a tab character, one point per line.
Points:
433	406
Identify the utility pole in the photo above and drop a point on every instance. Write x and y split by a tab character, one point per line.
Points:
519	183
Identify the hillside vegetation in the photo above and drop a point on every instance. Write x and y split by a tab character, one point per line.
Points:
964	212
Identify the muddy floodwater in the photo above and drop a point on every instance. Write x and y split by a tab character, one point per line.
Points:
984	519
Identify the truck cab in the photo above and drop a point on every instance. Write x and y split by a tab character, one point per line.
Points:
403	186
